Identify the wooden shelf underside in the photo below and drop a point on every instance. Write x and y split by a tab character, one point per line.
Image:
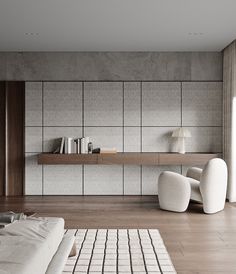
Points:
127	158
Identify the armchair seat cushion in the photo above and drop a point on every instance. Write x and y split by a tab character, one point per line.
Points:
194	173
195	190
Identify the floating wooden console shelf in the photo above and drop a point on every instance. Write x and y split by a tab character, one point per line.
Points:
127	158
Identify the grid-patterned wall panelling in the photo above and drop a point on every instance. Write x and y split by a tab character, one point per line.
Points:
131	116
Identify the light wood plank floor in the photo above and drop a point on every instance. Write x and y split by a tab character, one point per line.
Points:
197	243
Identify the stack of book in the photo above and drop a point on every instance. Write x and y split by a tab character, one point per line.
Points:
82	145
105	150
70	145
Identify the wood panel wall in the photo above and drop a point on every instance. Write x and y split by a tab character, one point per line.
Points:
12	138
2	137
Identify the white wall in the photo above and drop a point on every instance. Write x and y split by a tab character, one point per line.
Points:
131	116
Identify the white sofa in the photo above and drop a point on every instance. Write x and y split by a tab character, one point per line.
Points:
34	246
207	186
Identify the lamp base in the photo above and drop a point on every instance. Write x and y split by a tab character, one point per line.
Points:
180	145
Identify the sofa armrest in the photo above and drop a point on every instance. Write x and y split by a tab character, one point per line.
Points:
59	259
194	173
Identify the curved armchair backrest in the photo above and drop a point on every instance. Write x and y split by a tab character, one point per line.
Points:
213	185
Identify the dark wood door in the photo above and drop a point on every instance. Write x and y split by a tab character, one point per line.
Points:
2	137
12	141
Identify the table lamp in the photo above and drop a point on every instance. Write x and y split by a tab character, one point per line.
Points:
181	134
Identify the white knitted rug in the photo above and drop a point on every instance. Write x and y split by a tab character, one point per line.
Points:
115	251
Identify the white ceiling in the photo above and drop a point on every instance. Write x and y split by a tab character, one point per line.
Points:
116	25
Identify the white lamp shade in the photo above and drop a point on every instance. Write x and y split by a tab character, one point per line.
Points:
181	133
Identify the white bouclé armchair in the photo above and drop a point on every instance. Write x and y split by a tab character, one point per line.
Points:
207	186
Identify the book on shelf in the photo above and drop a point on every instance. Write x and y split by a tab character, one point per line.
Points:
66	145
82	145
105	150
70	142
77	145
62	145
69	145
108	151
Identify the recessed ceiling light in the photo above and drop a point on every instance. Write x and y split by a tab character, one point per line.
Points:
31	33
195	33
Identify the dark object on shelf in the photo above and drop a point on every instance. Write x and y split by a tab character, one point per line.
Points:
77	142
90	147
96	150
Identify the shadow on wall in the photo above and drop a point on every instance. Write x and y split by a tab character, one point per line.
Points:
171	142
